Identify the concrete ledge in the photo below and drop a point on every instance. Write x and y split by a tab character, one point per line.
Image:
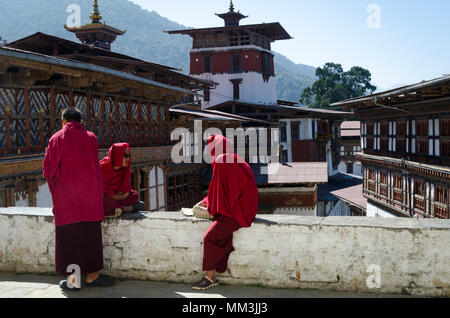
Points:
278	251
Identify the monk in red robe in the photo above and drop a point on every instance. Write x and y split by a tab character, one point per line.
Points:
74	179
233	202
119	196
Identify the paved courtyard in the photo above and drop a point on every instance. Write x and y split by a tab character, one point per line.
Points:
40	286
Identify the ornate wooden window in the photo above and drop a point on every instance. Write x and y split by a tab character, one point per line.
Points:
441	202
444	138
420	137
383	183
371	179
433	137
392	136
376	134
364	135
419	195
398	188
401	137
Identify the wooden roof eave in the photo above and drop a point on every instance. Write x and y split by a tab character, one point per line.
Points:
78	71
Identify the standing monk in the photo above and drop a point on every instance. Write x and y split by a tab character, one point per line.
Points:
119	196
233	202
73	176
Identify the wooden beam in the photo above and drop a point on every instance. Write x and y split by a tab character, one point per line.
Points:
432	92
43	67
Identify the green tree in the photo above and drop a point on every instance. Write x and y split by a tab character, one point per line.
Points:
335	85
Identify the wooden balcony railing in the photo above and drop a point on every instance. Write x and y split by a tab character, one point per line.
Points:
30	116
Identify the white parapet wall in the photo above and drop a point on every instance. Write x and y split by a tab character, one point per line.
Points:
403	256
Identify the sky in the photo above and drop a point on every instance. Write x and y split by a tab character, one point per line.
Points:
398	41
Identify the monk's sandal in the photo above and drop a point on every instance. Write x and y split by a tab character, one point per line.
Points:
204	284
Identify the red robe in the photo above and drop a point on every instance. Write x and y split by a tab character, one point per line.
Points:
73	176
115	181
232	191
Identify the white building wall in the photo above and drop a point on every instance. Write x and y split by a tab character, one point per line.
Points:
312	211
357	168
374	211
44	197
253	89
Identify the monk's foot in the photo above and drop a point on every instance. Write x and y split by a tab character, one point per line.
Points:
92	277
127	209
205	283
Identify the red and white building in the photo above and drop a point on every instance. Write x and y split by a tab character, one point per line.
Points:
236	57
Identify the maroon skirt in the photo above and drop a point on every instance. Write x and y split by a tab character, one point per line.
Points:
218	243
79	244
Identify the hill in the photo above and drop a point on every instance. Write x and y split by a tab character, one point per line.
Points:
144	38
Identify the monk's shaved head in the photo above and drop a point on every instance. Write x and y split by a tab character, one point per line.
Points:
72	114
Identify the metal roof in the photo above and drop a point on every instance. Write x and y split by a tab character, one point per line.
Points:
291	173
396	91
300	109
274	30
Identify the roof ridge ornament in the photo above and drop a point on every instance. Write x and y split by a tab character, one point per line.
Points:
231	6
95	16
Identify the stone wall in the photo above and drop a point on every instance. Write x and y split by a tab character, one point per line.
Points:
408	256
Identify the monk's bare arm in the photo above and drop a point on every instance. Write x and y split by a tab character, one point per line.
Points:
120	197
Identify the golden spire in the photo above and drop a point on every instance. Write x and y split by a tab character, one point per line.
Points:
231	6
95	16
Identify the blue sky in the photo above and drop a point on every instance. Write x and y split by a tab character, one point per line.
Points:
411	45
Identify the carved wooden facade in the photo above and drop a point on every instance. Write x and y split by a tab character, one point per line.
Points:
35	89
405	137
29	116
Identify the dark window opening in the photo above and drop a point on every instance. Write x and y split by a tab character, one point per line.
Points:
295	130
236	63
283	132
206	95
236	87
266	60
207	64
350	168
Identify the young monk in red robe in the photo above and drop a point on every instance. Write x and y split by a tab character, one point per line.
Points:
74	179
233	202
119	196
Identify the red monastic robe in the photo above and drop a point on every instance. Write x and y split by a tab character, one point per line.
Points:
73	176
115	181
232	191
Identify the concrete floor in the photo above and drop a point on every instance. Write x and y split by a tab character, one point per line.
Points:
39	286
